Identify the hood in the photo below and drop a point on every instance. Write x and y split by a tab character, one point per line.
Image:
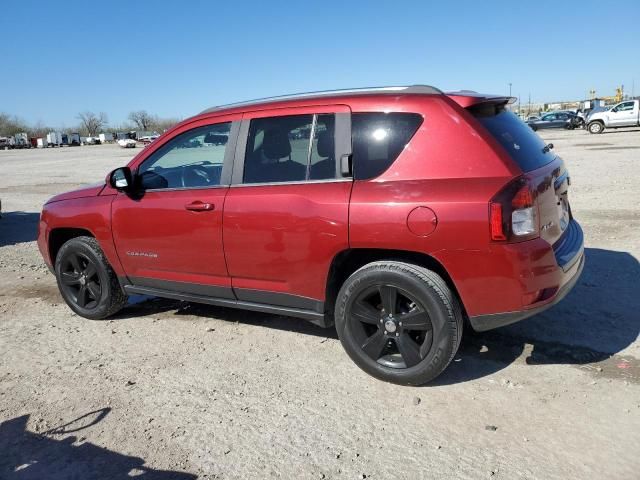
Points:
82	192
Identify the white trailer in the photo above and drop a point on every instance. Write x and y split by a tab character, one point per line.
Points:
21	140
54	139
42	142
106	137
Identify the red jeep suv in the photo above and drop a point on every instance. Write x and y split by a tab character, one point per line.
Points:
395	213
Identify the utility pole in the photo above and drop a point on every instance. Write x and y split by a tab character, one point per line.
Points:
509	88
529	108
518	104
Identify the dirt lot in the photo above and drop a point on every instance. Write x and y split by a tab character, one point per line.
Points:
170	390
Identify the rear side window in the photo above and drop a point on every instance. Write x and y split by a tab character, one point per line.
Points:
524	146
291	148
378	138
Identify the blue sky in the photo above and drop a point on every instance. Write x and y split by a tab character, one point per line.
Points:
177	58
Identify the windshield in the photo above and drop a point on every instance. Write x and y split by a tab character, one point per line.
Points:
521	143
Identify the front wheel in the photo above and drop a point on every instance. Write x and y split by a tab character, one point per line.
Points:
399	322
86	280
595	127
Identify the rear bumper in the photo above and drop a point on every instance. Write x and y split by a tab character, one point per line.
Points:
569	256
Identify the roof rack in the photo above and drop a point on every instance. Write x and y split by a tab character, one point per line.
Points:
412	89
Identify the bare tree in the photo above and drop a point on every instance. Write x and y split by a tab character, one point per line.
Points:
93	123
10	125
161	125
142	119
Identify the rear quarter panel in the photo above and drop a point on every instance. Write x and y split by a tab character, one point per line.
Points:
450	167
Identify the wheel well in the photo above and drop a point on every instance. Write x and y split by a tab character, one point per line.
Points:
348	261
59	236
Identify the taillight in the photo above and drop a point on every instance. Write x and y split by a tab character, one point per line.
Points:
513	213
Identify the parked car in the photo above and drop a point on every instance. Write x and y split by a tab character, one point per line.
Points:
74	139
126	143
552	120
624	114
406	213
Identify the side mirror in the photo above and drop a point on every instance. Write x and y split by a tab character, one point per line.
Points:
121	179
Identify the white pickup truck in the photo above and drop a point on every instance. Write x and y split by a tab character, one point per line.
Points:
624	114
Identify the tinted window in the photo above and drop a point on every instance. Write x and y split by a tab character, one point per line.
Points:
323	155
378	139
290	149
190	160
625	106
517	138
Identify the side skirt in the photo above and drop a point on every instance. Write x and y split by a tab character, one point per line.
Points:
314	317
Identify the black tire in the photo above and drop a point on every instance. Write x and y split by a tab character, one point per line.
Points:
596	127
534	128
379	342
86	280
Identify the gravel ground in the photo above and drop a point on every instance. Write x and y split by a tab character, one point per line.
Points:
170	390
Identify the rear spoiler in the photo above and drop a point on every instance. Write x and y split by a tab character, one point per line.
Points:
469	98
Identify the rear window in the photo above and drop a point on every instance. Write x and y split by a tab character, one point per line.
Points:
378	138
517	138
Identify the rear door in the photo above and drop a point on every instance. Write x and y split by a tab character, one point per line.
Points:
286	213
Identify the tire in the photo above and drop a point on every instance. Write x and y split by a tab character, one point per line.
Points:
378	340
534	128
86	280
595	127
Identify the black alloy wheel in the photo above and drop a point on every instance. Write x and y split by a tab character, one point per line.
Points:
398	321
391	326
86	280
80	280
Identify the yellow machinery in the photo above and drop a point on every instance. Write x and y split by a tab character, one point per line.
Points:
615	98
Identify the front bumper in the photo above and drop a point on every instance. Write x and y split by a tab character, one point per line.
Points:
570	258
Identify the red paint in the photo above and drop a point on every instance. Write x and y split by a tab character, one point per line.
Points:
422	221
434	199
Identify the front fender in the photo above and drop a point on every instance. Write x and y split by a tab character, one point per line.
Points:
91	213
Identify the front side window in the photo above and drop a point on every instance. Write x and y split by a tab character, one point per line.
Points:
378	139
193	159
290	148
623	107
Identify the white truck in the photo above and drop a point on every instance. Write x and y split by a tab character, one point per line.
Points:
624	114
54	139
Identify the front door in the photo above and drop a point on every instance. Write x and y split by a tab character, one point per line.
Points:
169	236
286	213
623	114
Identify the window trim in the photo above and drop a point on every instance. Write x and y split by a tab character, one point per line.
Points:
227	162
342	141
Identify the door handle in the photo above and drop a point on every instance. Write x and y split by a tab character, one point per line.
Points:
199	206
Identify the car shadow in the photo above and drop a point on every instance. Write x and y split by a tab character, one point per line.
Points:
30	455
145	306
596	321
18	227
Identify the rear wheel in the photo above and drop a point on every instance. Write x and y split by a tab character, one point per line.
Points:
86	280
595	127
399	322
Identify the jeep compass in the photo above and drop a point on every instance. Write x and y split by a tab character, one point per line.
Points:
397	214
